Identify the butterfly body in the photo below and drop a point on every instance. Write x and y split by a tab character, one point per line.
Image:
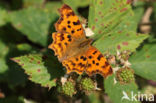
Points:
73	49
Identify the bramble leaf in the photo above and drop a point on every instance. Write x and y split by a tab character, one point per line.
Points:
9	71
37	3
114	25
34	23
41	69
3	17
116	91
120	41
144	61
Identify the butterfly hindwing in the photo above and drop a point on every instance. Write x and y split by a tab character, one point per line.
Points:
76	64
97	63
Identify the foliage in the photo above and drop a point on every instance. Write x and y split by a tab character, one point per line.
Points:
143	61
118	89
34	23
3	16
113	27
41	69
28	67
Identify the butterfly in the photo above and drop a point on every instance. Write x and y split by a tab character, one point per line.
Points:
74	49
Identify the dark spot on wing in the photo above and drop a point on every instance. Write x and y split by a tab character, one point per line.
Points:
68	22
69	40
70	14
69	36
73	64
77	59
99	57
64	28
90	57
61	37
81	65
106	64
93	62
78	29
84	59
94	52
69	26
97	70
97	64
72	31
89	65
76	23
65	43
103	66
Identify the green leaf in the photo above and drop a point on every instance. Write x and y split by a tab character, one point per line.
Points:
3	17
94	98
114	25
120	41
40	70
34	23
9	71
3	66
4	49
144	61
3	53
138	10
14	71
37	3
115	90
26	47
107	15
56	5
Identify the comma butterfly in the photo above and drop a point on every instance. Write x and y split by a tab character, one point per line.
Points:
73	49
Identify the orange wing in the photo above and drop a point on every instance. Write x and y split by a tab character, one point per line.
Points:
76	64
69	22
96	63
66	44
60	44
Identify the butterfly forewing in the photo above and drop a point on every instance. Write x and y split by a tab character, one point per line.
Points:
69	22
